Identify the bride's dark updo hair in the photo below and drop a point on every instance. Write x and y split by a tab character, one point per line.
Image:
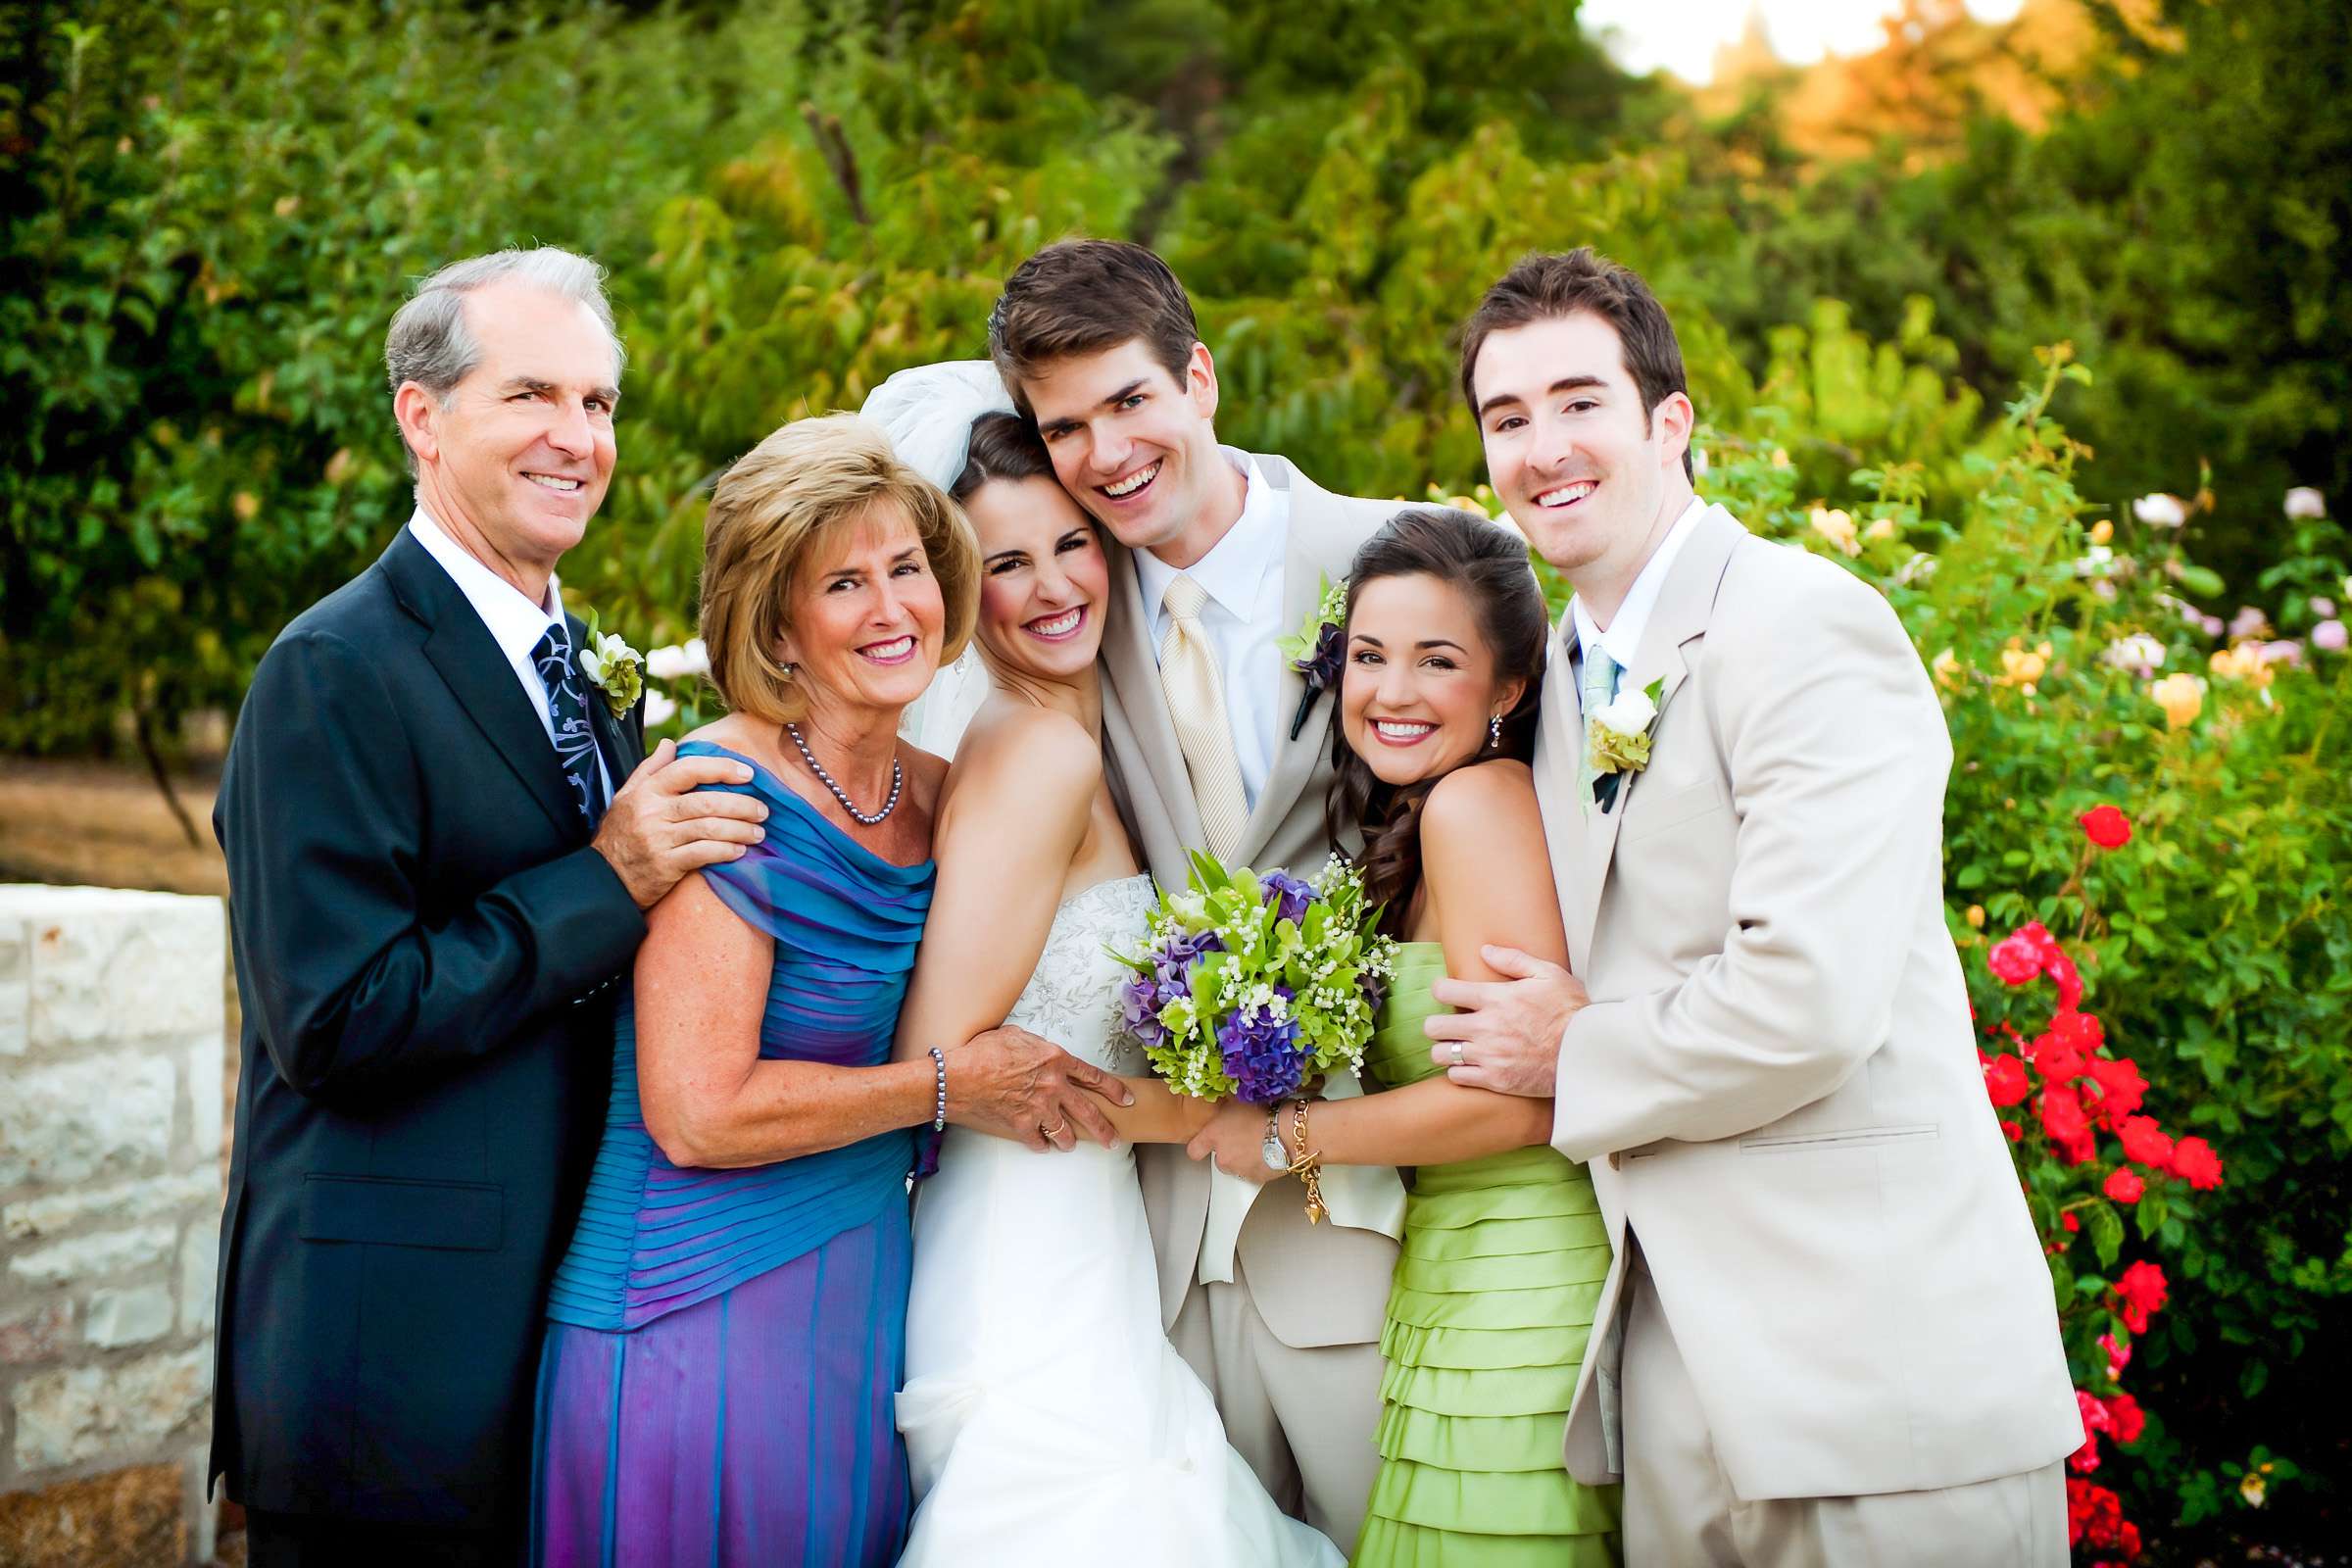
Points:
1004	446
1487	564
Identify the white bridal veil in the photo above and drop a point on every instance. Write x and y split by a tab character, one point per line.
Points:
928	413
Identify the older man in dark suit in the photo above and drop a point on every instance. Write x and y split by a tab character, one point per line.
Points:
440	839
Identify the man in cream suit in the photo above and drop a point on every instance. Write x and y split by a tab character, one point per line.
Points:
1828	1335
1218	553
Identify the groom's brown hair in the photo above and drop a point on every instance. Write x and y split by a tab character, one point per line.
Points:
1084	296
1547	286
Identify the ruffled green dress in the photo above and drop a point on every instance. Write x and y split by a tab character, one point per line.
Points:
1492	1303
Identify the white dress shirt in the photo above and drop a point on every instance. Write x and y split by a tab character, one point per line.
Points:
1623	640
515	623
1242	575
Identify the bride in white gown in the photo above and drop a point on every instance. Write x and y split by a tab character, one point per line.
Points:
1047	1419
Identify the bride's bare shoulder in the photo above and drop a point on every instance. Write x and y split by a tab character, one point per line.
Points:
1039	744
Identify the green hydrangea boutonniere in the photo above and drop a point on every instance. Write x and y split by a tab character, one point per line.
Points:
1617	738
612	667
1314	652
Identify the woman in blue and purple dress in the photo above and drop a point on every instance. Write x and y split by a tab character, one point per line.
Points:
727	1327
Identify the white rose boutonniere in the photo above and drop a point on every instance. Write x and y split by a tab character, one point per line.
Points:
612	667
1617	739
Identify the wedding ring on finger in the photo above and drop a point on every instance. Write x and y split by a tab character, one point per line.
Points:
1059	1127
1457	1052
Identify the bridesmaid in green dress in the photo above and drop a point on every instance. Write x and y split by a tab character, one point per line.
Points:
1504	1249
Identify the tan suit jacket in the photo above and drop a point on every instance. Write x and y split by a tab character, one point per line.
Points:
1313	1286
1777	1084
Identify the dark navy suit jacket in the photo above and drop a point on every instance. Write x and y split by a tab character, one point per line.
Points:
427	952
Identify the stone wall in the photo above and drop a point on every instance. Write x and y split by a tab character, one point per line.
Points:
111	1064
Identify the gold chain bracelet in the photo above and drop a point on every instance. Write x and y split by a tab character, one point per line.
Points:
1309	1167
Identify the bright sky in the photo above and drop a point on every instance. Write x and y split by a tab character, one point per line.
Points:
1682	36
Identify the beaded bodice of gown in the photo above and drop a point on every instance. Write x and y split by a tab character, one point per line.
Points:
1073	997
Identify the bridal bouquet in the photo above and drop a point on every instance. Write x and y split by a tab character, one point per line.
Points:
1250	985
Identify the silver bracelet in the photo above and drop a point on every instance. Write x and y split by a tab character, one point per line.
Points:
939	1109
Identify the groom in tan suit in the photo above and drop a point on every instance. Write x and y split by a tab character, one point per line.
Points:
1213	742
1828	1335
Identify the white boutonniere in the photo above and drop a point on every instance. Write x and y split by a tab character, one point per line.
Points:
612	667
1617	739
1314	652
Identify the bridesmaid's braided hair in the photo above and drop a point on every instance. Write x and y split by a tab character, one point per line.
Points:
1488	563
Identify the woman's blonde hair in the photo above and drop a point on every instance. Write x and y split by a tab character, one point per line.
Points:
774	510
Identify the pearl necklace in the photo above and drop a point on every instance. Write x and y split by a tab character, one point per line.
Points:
898	778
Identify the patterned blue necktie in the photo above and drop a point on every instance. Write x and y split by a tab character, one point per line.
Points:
575	740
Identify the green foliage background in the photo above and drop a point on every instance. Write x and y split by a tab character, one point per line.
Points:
209	212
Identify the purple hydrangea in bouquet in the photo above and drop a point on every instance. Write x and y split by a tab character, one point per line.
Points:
1249	985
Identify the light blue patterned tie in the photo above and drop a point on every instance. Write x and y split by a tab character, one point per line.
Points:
1596	688
575	740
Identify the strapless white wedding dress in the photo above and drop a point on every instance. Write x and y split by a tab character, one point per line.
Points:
1047	1419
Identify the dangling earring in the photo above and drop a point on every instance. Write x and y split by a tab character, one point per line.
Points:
1495	732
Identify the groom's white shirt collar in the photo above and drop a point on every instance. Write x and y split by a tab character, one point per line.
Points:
1623	640
1236	566
514	623
1242	575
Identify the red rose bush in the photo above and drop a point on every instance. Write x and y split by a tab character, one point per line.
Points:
2088	1151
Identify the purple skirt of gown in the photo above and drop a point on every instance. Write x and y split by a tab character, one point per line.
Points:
755	1426
724	1345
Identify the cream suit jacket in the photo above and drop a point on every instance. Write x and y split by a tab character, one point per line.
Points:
1776	1085
1324	1284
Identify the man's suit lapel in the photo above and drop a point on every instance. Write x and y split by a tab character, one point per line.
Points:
1560	745
1137	720
1313	538
1676	619
461	648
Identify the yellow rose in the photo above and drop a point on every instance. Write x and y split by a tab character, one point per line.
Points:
1838	528
2181	696
1880	528
2101	532
1976	917
1945	667
2020	667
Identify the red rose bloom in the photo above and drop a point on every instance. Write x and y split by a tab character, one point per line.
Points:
2014	961
2061	969
2106	826
2063	1119
2124	1418
2123	1185
2057	1060
2094	1516
2141	1293
2081	1030
2015	1132
2121	1087
2067	1223
2005	1080
2144	1142
2195	1162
